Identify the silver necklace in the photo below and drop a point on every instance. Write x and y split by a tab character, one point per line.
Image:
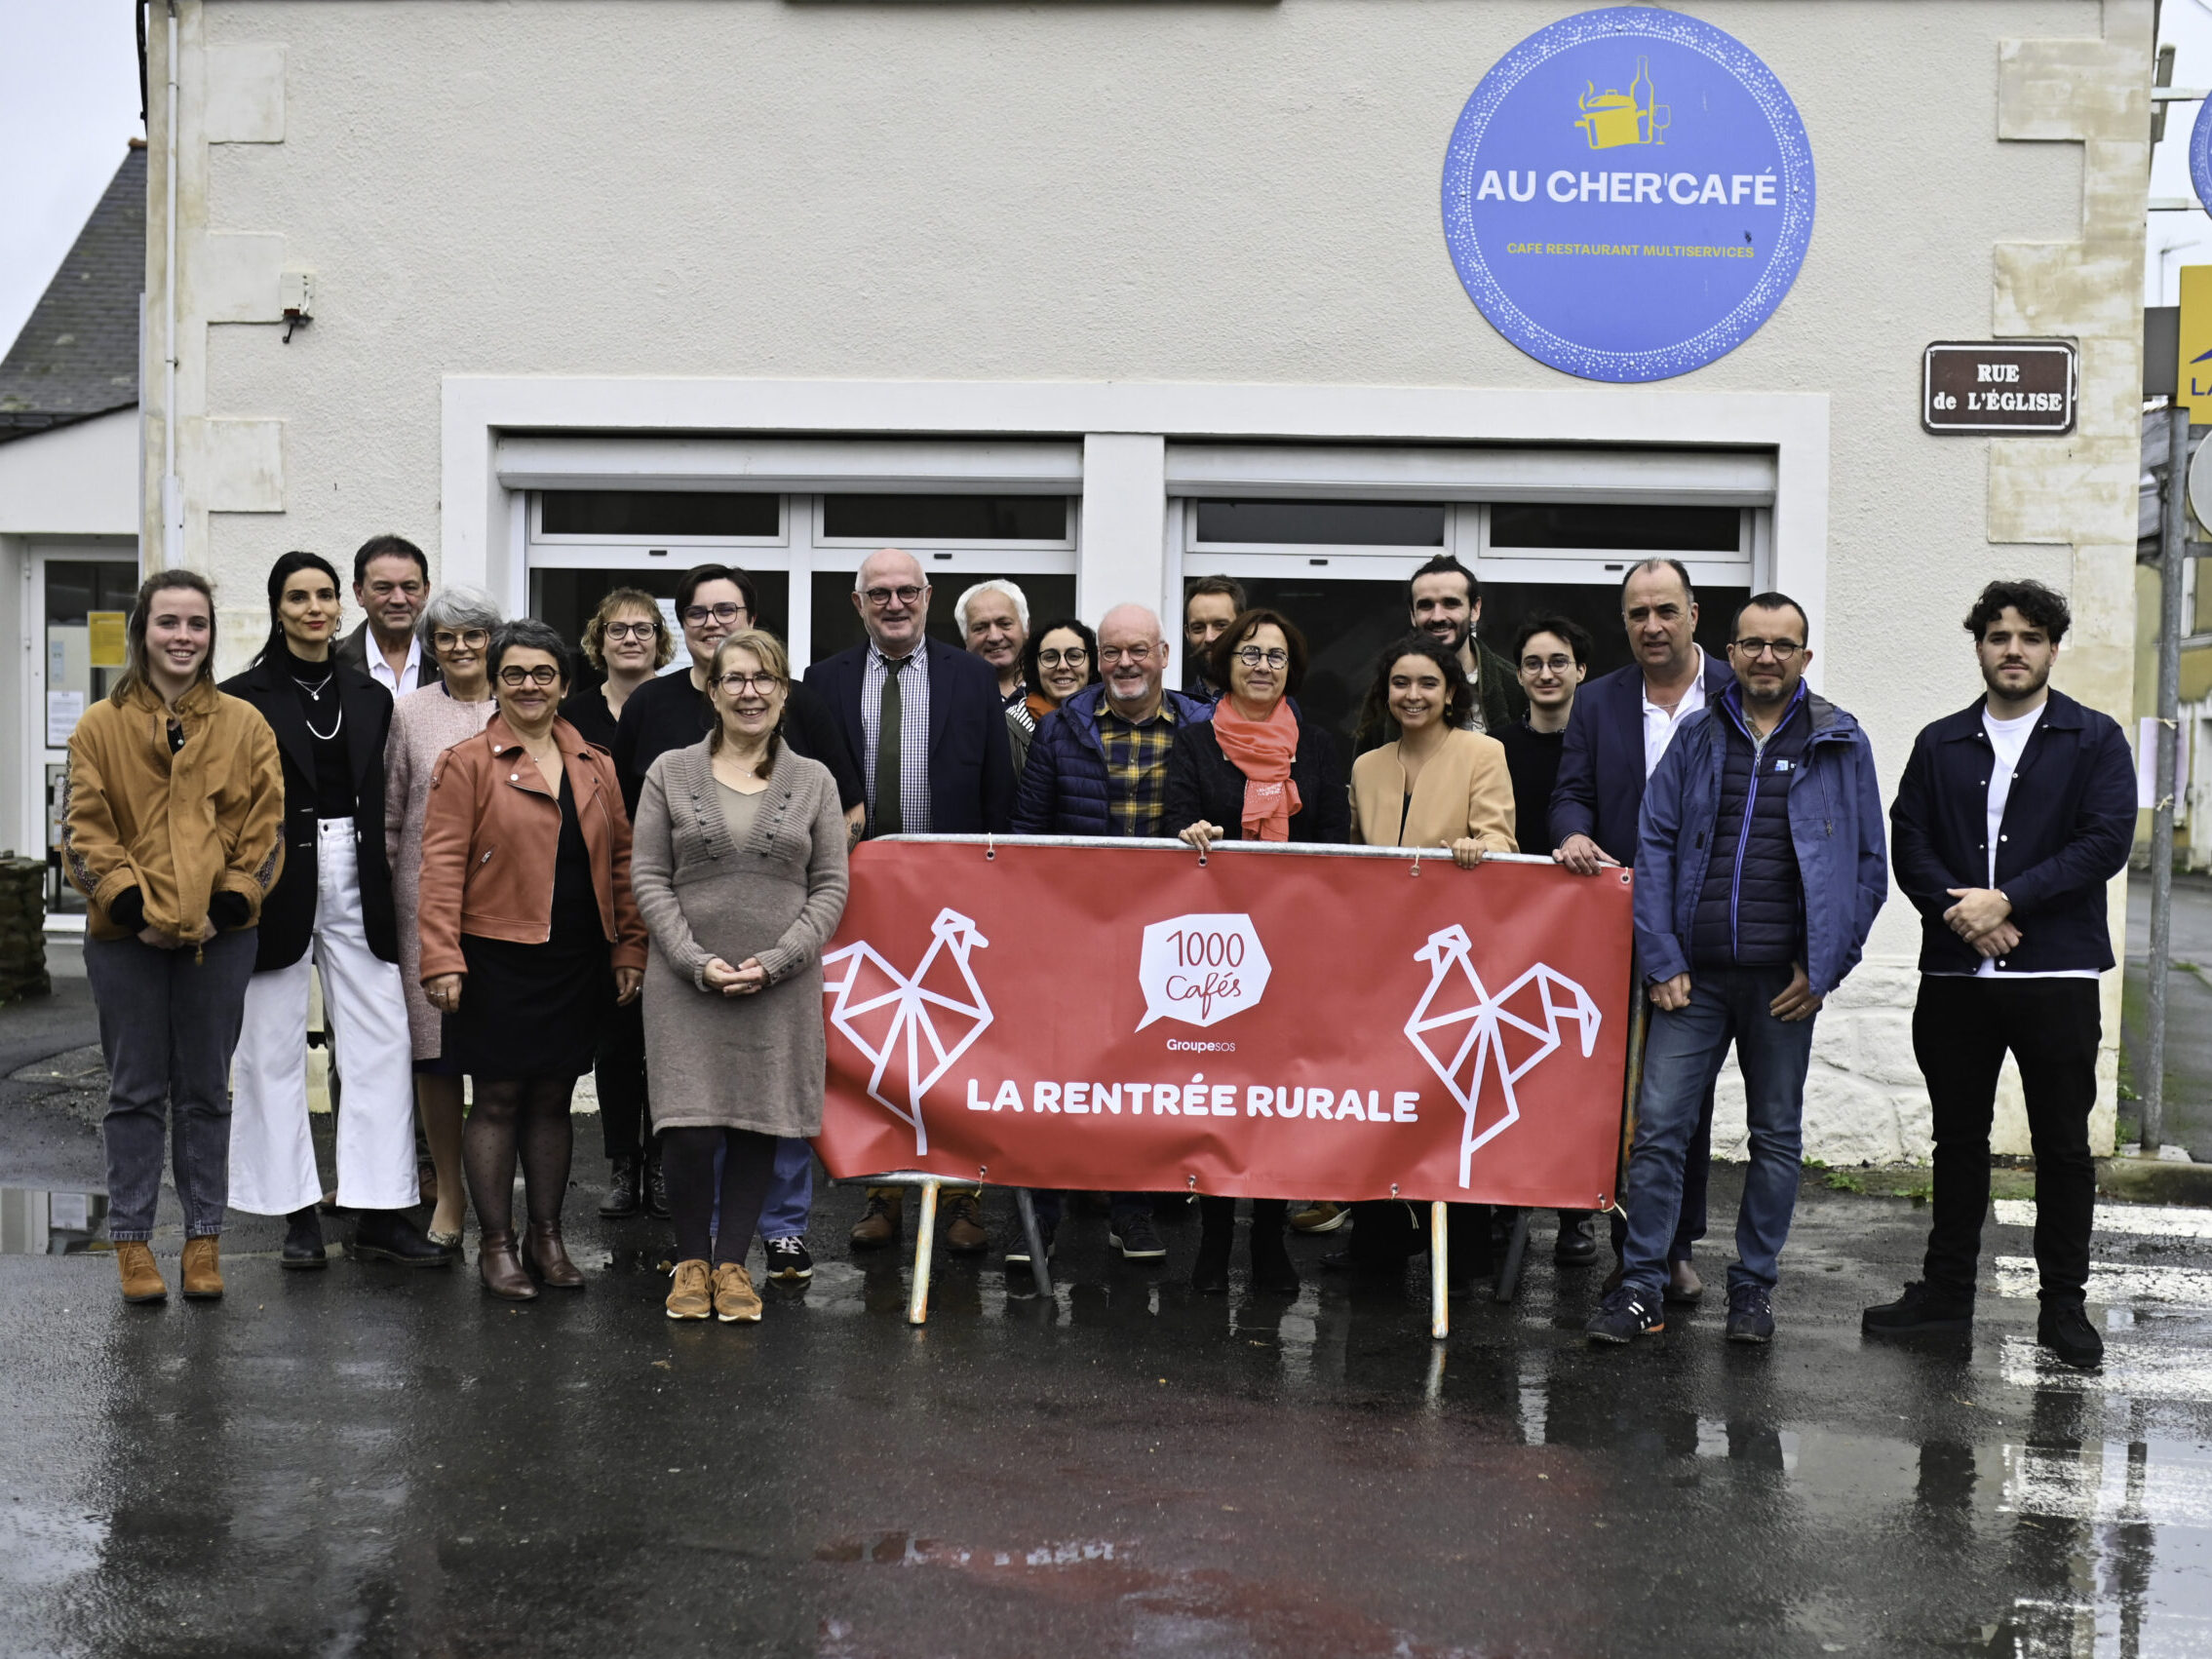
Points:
314	692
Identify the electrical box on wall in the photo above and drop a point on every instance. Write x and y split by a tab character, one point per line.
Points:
295	299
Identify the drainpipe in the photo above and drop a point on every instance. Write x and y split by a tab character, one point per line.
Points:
171	487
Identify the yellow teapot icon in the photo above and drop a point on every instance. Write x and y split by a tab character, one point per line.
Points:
1611	120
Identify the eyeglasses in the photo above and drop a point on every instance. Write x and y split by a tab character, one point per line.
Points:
545	673
738	684
1075	656
879	598
1537	664
1252	656
696	615
471	638
1116	653
1781	650
647	630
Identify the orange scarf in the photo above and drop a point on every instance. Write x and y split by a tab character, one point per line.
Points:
1262	751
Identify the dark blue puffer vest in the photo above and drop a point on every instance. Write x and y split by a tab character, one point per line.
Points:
1751	911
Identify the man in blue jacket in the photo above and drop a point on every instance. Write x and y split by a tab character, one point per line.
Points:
925	728
1099	766
1759	872
1616	733
2011	816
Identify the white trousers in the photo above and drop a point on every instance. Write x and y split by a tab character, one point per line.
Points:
272	1154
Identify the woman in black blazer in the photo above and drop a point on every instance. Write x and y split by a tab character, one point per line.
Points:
1256	771
336	896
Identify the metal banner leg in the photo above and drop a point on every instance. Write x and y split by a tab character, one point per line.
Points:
1516	1251
1039	1269
925	1240
1439	1271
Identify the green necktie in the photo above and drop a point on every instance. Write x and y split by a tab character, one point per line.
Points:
887	813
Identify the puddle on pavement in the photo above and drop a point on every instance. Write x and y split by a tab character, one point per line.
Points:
49	1221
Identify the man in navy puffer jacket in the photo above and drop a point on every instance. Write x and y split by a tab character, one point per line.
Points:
1098	766
1759	869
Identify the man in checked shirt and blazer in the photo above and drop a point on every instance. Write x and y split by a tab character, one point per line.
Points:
1099	766
924	725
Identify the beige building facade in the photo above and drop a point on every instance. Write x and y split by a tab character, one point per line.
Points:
1103	297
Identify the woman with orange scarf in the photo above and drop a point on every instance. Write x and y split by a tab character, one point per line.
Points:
1255	772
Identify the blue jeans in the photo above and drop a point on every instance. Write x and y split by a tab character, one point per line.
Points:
168	1023
791	1190
1725	1004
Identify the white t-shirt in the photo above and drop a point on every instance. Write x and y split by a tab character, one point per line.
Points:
2008	739
1660	724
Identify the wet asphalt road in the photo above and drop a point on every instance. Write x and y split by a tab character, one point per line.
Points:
370	1461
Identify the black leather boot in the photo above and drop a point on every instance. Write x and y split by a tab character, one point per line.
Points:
656	1189
1218	1222
391	1235
303	1241
623	1191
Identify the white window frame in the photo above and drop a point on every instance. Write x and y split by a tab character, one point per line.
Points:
503	436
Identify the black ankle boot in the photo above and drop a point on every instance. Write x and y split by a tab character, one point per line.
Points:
303	1241
623	1194
1211	1271
656	1189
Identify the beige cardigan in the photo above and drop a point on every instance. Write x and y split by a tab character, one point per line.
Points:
1464	789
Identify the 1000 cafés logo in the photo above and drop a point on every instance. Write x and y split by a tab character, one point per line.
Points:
1628	194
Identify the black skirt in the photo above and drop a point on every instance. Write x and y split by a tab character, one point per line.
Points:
538	1009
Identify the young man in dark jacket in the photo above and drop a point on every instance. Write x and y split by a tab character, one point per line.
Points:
2011	816
1099	766
1759	872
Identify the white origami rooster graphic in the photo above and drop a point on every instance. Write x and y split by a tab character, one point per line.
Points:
1494	1029
897	1020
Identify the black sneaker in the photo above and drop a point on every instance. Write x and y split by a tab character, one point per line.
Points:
1751	1314
787	1258
2063	1329
1137	1239
1018	1253
1922	1307
1627	1314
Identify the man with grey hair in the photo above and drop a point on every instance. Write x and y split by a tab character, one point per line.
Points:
993	619
1099	766
927	731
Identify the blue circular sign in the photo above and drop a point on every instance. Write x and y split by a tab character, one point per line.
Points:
2201	152
1628	194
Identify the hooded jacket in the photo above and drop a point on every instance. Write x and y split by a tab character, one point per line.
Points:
1835	826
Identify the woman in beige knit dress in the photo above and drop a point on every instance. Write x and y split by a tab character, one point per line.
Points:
739	869
456	628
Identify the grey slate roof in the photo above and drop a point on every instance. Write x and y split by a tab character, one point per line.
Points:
78	355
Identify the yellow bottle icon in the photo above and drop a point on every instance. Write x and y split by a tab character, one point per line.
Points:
1611	120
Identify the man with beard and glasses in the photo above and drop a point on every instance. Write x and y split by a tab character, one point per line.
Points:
1447	604
2011	816
1759	872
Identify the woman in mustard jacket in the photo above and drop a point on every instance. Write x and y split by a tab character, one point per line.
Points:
531	939
171	828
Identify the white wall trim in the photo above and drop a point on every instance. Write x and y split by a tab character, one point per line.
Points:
480	410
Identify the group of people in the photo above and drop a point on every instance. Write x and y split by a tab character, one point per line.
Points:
533	873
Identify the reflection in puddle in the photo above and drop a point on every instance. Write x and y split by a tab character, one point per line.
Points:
38	1222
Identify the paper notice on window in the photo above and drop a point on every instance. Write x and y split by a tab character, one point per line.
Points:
63	710
109	648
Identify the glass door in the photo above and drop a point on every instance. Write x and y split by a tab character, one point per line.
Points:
85	603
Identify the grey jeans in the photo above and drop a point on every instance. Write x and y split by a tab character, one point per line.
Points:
168	1023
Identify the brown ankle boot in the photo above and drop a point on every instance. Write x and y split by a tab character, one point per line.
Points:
141	1279
202	1269
549	1256
501	1273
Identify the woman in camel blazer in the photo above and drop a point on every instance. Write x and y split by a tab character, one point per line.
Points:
1438	784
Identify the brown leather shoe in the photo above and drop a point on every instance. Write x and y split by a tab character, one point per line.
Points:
964	1234
690	1296
735	1298
882	1221
202	1269
549	1256
141	1279
501	1273
1684	1287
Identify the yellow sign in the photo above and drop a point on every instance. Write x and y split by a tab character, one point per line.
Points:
1610	119
2192	375
108	647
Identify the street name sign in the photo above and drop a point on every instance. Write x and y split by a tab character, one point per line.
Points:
2024	387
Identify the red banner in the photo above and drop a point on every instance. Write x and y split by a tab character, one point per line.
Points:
1263	1024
